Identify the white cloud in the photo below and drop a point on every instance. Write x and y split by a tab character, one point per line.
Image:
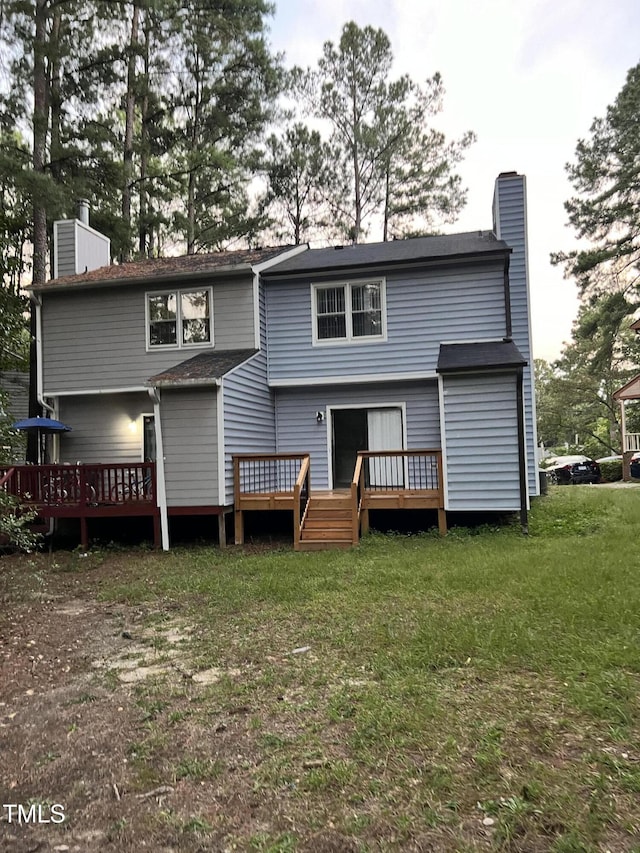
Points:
528	77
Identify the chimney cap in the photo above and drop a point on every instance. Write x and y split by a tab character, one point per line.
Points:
83	210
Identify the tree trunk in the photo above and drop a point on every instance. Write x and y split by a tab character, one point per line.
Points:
143	224
129	121
40	127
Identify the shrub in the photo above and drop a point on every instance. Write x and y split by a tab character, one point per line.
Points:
15	534
611	471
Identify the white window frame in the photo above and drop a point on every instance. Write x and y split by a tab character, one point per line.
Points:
179	344
350	339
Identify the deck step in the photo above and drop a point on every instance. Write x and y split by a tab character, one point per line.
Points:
326	533
313	523
329	514
323	544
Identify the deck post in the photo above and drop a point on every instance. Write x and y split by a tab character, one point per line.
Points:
364	521
222	529
238	519
442	522
84	532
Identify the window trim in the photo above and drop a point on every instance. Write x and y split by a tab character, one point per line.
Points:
179	344
350	339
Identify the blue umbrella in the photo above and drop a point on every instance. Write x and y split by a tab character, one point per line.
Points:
39	424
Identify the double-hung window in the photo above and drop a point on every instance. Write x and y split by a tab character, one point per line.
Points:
179	318
349	312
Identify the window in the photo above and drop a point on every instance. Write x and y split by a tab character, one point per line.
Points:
348	313
179	318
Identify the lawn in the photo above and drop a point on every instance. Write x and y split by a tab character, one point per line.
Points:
473	693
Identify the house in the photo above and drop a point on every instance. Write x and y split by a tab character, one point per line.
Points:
379	375
630	391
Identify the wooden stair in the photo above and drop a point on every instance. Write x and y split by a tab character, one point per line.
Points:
328	523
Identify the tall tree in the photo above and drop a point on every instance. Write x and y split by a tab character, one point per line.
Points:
301	175
606	208
227	81
380	126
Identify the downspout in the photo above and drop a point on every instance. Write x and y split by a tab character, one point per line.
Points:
37	302
160	478
522	463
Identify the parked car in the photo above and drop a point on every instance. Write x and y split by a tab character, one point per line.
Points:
634	466
566	470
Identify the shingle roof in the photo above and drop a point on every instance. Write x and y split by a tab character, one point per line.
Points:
415	249
202	369
159	268
487	355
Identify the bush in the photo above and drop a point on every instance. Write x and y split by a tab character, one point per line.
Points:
611	471
15	534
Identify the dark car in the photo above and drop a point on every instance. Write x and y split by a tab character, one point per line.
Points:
567	470
634	466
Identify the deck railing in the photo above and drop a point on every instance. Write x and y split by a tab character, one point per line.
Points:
397	479
632	441
270	481
72	487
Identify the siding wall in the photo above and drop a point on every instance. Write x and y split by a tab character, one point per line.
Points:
481	439
101	427
510	223
96	339
78	248
298	430
423	310
249	409
190	438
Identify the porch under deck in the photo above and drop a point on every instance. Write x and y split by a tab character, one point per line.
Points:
336	518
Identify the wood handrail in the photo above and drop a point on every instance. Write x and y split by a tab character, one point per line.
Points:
436	451
356	484
298	520
258	456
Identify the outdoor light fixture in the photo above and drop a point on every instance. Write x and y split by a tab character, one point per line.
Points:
319	417
133	425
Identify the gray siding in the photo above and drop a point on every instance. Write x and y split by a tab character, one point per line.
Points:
190	443
96	339
423	310
249	409
101	427
298	430
65	242
15	385
511	223
481	442
78	248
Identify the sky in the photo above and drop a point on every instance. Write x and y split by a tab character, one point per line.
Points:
528	76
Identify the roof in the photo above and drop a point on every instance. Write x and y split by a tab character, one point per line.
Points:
486	355
629	391
167	268
203	369
449	246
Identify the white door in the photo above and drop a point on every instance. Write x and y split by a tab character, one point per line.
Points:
385	433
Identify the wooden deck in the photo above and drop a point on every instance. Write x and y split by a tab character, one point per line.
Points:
85	491
402	479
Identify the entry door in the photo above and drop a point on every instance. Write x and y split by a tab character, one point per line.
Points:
350	434
385	433
367	429
148	438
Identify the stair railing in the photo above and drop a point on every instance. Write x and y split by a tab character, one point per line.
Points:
301	495
357	491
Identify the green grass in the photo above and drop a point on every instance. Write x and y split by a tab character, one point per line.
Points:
448	681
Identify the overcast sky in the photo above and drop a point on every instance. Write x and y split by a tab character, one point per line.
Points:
528	76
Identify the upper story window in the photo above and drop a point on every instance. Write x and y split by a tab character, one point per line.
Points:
350	312
179	318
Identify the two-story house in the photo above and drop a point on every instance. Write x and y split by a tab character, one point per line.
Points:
256	379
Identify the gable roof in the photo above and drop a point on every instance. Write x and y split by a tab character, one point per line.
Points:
411	250
484	355
168	269
203	369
